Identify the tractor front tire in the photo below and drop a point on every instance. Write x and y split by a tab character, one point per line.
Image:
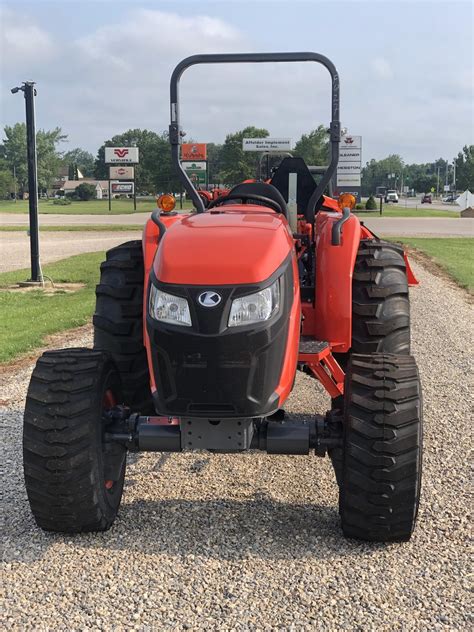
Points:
118	321
74	479
382	448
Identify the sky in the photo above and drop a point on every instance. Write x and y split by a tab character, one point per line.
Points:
406	69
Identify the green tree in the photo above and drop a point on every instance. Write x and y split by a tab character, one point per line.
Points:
86	191
83	160
213	162
314	147
73	171
7	182
13	150
235	163
465	169
386	172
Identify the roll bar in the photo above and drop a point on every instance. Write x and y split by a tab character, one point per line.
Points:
175	131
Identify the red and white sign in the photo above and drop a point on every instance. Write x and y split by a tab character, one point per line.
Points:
124	155
121	173
122	188
194	151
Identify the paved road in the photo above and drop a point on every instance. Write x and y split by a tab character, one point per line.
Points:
252	542
421	226
388	225
416	203
15	246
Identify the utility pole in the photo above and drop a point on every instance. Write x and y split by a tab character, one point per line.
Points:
30	92
437	185
454	175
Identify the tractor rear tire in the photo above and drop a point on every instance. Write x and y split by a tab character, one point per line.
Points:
118	321
74	479
382	448
380	304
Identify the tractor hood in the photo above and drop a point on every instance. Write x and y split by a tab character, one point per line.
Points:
242	246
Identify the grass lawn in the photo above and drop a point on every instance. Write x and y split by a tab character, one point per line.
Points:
391	211
93	207
76	228
27	317
453	254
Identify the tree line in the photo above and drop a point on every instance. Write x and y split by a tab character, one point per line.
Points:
227	162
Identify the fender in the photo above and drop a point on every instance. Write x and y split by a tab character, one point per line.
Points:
150	242
332	314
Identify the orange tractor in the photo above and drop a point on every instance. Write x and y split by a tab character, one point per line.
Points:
200	329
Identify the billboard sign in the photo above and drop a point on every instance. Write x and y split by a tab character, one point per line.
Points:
194	151
266	144
121	173
350	161
122	188
121	155
196	172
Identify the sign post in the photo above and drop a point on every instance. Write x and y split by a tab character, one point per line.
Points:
29	90
349	166
194	162
120	159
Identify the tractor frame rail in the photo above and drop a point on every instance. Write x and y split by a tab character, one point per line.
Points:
278	434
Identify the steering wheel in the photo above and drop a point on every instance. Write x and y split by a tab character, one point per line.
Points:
246	199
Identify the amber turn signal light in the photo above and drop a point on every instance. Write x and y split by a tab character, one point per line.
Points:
166	202
346	200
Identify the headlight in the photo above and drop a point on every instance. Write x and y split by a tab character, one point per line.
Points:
255	308
168	308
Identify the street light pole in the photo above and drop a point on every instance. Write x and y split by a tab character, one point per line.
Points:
30	92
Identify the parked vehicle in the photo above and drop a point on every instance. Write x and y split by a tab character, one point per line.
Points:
200	329
391	196
450	198
427	198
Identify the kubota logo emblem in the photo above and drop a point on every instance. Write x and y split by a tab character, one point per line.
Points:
121	153
348	140
209	299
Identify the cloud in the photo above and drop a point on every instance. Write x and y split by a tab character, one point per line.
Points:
115	76
381	68
23	44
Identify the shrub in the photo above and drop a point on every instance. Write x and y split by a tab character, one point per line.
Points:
85	191
359	206
371	204
62	202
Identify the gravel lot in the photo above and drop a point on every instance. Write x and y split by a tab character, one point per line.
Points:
251	542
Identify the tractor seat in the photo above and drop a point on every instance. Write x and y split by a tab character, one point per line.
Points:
259	188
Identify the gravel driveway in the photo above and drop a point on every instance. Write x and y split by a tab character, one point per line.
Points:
252	542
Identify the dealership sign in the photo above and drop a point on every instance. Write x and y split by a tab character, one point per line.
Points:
193	151
350	161
121	173
196	172
122	188
121	155
266	144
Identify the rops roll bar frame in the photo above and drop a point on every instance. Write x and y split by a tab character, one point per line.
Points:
175	131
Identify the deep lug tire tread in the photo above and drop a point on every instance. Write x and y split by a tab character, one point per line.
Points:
62	442
381	469
118	321
380	305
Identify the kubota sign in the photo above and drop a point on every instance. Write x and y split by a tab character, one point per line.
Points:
194	151
124	155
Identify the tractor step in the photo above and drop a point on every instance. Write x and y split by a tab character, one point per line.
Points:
308	344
